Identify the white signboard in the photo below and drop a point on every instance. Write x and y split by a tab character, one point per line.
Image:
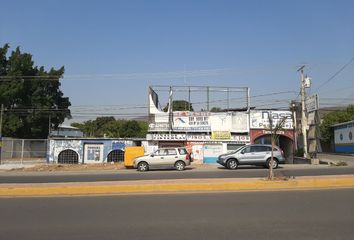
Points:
185	121
167	136
260	119
311	103
241	138
197	137
191	121
93	153
240	122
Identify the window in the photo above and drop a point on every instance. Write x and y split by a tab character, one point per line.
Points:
260	149
233	147
182	151
68	157
247	150
171	152
269	149
116	156
161	152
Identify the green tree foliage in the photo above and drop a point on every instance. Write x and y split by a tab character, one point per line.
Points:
179	105
112	128
216	109
333	118
30	95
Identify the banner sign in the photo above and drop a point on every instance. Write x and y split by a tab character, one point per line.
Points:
184	121
167	136
260	119
191	121
162	127
241	138
198	137
221	135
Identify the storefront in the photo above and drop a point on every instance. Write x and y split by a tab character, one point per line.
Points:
261	134
204	148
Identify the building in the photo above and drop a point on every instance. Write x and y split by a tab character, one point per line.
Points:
89	150
343	137
66	131
208	134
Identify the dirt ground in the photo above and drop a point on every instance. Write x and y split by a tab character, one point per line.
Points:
71	167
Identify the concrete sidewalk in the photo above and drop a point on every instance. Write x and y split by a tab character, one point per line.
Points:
334	158
174	186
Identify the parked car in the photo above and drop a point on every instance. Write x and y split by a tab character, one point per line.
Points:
178	158
253	154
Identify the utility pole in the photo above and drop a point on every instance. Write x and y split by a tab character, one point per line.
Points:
303	110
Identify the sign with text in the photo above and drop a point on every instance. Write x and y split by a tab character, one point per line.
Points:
311	103
184	121
93	153
167	136
221	135
260	119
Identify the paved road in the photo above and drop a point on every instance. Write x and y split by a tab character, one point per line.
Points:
215	172
293	215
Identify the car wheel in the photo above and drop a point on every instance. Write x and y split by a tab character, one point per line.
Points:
274	165
180	165
143	166
232	164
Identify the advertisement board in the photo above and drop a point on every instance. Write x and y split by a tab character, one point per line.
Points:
211	152
185	121
311	103
166	136
93	153
260	119
220	135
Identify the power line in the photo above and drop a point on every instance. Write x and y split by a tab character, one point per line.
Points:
335	74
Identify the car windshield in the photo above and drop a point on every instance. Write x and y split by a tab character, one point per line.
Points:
235	151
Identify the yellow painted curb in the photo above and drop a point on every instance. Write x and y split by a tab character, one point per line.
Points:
67	189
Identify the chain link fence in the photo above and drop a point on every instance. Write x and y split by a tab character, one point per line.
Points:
23	151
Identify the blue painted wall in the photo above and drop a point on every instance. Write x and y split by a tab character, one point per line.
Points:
56	146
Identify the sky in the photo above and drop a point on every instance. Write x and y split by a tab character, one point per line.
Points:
113	50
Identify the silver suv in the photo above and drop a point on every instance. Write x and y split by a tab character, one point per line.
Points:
254	154
164	158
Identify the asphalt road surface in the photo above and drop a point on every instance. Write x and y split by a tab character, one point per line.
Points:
124	175
291	215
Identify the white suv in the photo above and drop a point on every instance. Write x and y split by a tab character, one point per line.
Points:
163	158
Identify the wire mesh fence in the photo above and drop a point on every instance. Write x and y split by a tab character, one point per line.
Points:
23	151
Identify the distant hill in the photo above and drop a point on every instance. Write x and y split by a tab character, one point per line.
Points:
325	110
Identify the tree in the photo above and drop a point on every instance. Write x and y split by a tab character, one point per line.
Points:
333	118
131	129
273	138
110	127
31	96
216	109
179	105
